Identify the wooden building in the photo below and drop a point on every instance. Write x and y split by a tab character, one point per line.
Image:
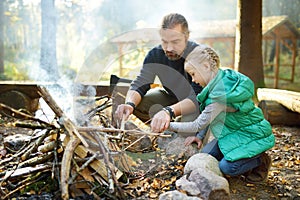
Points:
220	34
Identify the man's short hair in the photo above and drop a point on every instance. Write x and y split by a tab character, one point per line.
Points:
171	20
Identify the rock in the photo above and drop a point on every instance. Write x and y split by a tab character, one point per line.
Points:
211	185
205	184
18	100
203	178
131	126
175	144
191	187
176	195
16	142
141	143
202	160
177	147
162	142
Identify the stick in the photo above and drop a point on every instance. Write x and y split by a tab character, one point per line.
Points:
101	129
110	171
66	166
26	116
86	164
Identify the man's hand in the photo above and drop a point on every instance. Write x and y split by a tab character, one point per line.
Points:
189	140
123	111
160	122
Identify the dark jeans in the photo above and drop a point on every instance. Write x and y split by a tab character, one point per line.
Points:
154	101
234	168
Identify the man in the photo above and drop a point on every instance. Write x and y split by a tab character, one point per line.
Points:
166	61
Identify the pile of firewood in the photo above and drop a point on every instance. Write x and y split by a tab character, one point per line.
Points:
83	160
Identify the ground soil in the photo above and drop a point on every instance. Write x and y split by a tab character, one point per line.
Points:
282	183
284	175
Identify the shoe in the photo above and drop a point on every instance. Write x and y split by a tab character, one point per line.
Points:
260	173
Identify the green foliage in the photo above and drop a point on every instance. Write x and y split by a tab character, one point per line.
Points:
3	77
283	7
14	71
82	27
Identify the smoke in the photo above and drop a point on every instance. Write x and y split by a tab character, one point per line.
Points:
85	28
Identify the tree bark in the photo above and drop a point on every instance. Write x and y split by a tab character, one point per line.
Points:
1	37
248	57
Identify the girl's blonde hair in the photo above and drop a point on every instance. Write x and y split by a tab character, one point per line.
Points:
201	54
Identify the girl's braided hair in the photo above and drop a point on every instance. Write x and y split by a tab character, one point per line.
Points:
200	54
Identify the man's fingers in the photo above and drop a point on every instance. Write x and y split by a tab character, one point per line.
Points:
160	122
123	111
167	124
158	125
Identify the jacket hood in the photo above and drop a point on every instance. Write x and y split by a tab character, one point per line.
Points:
228	87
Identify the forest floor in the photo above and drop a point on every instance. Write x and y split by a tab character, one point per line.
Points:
284	177
283	181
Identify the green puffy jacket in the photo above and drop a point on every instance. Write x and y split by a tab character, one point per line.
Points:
241	134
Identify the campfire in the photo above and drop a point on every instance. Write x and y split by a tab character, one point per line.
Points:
86	159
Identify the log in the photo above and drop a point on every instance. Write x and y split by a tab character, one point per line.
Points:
66	166
22	172
98	165
278	114
19	100
289	99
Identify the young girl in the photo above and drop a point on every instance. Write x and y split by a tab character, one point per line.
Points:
241	133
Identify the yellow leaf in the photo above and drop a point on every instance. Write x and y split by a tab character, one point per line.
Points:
173	179
180	167
156	184
153	194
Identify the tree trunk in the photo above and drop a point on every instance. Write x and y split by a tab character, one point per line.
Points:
1	38
248	57
48	60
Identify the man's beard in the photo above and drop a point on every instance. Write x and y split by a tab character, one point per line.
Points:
172	55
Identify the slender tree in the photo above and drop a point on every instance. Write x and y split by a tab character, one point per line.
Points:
48	60
248	57
1	37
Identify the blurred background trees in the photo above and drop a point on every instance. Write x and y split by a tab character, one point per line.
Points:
83	25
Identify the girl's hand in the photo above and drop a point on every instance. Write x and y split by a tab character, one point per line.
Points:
189	140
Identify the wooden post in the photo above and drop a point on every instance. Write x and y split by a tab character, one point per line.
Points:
294	58
277	61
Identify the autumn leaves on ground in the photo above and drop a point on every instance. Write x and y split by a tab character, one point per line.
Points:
157	173
284	176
